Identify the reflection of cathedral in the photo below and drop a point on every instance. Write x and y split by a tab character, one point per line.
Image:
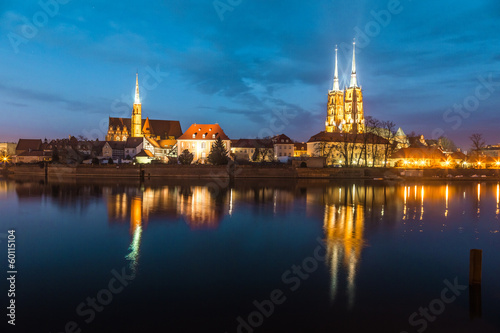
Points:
344	229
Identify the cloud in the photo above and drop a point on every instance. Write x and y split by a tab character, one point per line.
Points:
44	97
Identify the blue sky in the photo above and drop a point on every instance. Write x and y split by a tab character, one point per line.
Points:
255	67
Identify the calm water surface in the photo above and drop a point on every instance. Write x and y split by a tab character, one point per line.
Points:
183	257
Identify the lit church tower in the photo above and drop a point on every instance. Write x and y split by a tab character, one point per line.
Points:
335	111
136	113
353	102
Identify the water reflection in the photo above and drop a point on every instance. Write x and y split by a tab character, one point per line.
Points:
350	212
136	221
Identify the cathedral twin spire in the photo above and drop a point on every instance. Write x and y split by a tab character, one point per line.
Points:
354	81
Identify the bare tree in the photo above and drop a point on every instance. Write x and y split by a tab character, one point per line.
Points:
413	137
325	149
447	144
372	128
478	143
389	128
346	146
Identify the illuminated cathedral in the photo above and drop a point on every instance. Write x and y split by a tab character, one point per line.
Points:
120	129
345	107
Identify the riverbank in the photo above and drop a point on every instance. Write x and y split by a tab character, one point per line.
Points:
244	172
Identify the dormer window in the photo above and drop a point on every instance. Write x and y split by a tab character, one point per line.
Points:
213	136
210	129
199	129
194	135
204	135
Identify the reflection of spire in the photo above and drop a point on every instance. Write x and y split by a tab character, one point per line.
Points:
446	209
478	199
136	231
422	202
404	205
498	199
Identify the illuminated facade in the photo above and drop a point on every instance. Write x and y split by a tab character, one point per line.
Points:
198	140
345	108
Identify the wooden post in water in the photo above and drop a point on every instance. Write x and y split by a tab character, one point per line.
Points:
475	266
475	263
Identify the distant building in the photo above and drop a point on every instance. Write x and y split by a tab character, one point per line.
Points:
283	146
198	140
33	156
8	148
244	149
399	138
114	149
419	158
28	145
120	129
133	146
299	149
492	151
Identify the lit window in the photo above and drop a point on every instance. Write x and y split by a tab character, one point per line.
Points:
204	135
194	135
192	145
203	145
213	136
210	129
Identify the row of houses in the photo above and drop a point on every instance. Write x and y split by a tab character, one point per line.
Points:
337	148
198	139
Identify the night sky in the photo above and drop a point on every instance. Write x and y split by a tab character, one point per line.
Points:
242	63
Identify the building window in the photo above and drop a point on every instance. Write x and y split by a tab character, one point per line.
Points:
213	136
192	145
280	154
194	135
203	145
